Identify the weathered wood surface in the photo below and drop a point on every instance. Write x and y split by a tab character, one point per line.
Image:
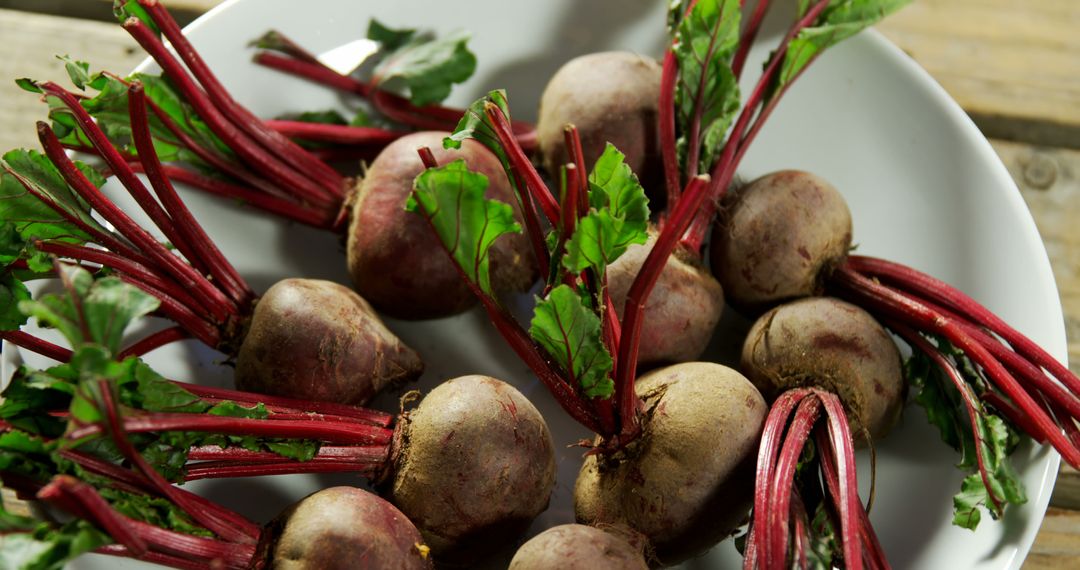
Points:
29	42
1015	66
1012	65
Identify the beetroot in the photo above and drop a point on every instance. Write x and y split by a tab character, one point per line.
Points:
662	485
337	350
395	260
578	547
680	315
835	346
473	466
319	340
345	527
611	97
778	238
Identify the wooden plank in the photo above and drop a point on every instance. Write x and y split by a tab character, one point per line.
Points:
1057	546
1013	66
30	42
183	10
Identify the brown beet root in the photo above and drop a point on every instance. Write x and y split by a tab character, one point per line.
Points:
832	344
349	529
318	340
778	238
395	259
688	480
578	547
610	97
474	465
682	311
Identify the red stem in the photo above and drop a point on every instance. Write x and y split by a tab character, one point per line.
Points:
534	184
941	292
175	302
199	246
372	417
37	345
775	545
331	432
916	315
666	127
280	146
83	501
314	72
215	302
971	403
154	341
847	499
115	424
267	469
340	134
136	481
280	171
295	211
768	450
634	310
749	34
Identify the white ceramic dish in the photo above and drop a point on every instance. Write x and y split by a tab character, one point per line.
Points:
925	188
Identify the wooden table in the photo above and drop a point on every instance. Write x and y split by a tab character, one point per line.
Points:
1013	66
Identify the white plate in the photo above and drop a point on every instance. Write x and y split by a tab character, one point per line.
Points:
925	187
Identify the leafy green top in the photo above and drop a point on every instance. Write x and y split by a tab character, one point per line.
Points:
705	40
840	20
451	197
618	216
419	64
29	181
994	437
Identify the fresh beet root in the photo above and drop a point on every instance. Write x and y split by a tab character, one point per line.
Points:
835	346
682	312
578	547
686	482
778	239
319	340
345	527
611	97
396	261
473	465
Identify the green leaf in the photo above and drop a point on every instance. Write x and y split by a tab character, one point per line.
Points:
49	548
420	66
12	292
705	42
619	216
389	39
27	84
27	180
451	197
92	311
124	9
569	330
823	543
839	21
78	71
992	436
234	410
475	125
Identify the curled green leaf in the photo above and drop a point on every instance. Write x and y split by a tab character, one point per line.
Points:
570	331
451	197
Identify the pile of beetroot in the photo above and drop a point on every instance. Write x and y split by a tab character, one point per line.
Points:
456	207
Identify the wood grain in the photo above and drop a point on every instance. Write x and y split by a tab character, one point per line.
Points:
1011	65
30	42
